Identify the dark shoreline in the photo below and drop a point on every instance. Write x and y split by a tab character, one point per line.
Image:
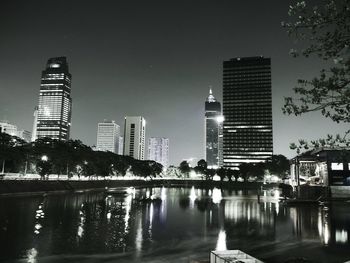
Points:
39	187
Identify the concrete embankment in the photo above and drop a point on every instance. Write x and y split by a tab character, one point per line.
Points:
25	187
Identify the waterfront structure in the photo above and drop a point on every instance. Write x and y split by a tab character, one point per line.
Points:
121	144
158	150
108	136
213	132
322	166
247	108
134	137
55	103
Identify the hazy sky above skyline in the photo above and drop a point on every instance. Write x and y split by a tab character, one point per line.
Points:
149	58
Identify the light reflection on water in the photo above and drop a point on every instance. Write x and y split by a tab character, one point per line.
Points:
158	223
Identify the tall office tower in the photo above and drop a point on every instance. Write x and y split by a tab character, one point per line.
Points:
35	115
55	103
213	124
134	137
108	136
247	108
121	144
158	150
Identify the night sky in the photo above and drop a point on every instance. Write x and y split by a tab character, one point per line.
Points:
149	58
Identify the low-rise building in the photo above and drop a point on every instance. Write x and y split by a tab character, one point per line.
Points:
322	166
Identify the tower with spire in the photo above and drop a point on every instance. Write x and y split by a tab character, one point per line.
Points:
213	134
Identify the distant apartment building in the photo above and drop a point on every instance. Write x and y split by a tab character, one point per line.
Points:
7	127
213	132
247	108
11	129
134	137
158	150
108	133
24	135
55	103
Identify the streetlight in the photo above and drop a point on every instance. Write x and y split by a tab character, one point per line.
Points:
44	158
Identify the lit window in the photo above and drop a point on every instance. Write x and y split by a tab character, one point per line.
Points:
337	166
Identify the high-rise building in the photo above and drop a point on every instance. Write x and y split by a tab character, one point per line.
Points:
108	136
35	115
55	103
158	150
213	134
247	108
121	144
134	137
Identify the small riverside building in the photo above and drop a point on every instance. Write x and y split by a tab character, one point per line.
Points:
329	167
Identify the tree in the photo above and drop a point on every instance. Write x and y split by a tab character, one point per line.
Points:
44	168
326	32
185	168
244	170
278	165
222	173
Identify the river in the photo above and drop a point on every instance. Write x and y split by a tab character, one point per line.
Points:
169	225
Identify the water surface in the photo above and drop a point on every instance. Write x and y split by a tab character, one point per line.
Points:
178	225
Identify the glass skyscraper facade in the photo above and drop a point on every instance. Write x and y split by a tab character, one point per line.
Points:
213	125
247	108
55	103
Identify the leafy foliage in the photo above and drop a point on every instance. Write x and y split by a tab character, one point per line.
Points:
69	157
325	30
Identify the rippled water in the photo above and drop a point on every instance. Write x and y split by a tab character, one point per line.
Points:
177	225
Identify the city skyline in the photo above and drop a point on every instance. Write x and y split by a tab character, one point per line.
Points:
133	59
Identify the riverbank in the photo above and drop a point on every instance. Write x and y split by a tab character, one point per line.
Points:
35	187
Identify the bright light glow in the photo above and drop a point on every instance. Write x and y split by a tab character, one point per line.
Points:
163	194
44	158
31	255
109	215
220	119
216	178
217	196
128	202
221	243
130	190
55	65
341	236
193	194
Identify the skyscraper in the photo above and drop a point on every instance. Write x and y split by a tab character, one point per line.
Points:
213	120
121	144
55	103
247	108
158	150
108	136
35	115
134	137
